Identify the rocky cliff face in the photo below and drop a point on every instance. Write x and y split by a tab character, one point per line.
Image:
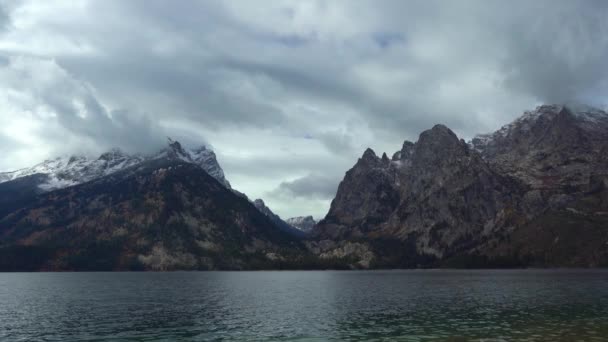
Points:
560	154
440	198
556	152
436	193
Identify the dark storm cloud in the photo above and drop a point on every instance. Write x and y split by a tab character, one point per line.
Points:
312	186
4	17
337	142
510	53
562	53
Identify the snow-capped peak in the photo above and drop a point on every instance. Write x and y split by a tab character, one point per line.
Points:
588	114
206	158
528	118
587	117
303	223
71	170
176	150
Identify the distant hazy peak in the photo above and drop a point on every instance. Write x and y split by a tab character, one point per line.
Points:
303	223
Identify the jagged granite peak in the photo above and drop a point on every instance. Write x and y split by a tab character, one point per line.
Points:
384	157
405	153
175	150
370	158
368	192
415	197
207	159
369	155
67	171
437	145
303	223
406	150
396	156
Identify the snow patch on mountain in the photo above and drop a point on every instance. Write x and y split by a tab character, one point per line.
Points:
588	117
67	171
303	223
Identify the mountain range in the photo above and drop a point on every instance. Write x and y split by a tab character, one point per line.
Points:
533	193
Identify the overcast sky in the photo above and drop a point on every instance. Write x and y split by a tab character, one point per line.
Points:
288	93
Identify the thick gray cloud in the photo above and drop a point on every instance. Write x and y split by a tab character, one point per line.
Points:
284	90
337	142
560	55
68	110
3	18
312	186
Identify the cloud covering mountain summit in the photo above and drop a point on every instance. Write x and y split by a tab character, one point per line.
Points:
314	82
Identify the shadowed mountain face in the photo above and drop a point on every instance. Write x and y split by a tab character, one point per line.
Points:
560	153
274	218
158	215
498	198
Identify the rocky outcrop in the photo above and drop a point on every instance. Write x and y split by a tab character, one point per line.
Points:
365	198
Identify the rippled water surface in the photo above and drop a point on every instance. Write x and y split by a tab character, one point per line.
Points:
421	305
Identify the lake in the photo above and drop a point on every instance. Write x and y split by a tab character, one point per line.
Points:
408	305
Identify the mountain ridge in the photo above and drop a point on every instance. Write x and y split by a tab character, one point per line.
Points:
442	199
71	170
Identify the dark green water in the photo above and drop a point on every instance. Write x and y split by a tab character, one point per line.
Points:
423	305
